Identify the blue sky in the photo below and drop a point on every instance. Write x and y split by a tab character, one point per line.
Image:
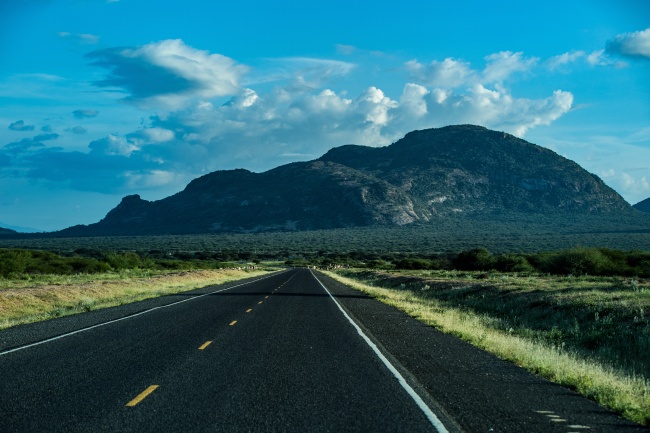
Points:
101	99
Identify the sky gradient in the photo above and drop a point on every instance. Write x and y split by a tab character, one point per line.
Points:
101	99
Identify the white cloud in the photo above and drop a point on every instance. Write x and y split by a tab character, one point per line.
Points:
502	65
600	58
449	73
412	99
557	62
168	73
150	179
113	145
636	44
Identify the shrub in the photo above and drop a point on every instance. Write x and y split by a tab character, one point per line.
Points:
477	259
579	261
512	263
413	263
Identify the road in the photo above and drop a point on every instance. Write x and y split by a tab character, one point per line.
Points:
290	352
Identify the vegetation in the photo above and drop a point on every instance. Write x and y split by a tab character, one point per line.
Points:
523	233
579	315
41	297
591	334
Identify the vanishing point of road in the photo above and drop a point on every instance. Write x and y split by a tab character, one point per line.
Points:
293	351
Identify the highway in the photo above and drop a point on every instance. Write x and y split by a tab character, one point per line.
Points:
293	351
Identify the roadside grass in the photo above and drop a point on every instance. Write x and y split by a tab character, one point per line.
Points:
589	334
44	297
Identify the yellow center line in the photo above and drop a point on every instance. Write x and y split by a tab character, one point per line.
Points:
266	297
233	322
259	303
142	395
249	310
204	345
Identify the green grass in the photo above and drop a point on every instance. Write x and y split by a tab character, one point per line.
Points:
589	334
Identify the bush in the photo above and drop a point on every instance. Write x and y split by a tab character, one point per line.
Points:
579	261
413	263
512	263
477	259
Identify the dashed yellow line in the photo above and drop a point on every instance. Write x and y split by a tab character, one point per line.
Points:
204	345
249	310
233	322
142	396
266	297
259	303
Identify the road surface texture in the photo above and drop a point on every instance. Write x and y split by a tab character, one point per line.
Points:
289	352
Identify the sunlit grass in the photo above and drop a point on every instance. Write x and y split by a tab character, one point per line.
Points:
450	301
47	296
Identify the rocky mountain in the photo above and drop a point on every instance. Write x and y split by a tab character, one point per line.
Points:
643	206
428	174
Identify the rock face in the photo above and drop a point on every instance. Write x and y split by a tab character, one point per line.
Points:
643	206
427	174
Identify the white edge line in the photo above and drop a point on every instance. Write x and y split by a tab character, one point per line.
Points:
67	334
433	419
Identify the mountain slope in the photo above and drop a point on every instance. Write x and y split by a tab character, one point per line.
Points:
430	173
643	206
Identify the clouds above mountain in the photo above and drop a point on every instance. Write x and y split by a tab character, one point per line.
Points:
207	112
167	73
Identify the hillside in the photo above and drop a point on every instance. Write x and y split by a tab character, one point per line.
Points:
643	206
426	175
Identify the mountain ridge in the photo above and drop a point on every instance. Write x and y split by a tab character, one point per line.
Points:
427	174
643	205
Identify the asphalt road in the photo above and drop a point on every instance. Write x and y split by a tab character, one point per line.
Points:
273	354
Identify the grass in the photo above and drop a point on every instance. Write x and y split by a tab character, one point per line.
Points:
589	334
47	296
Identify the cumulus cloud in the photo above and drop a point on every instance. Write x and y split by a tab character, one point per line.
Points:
21	126
113	145
636	44
449	73
85	114
302	115
168	73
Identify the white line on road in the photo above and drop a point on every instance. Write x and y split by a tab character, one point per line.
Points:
433	419
67	334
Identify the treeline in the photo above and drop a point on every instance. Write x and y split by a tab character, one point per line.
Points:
576	261
18	262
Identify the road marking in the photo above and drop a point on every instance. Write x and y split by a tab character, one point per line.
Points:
233	322
259	303
249	310
266	297
204	345
433	419
67	334
142	396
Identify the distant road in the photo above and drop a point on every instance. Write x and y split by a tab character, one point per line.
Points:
291	352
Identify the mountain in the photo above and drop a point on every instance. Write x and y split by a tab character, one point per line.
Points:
428	174
643	206
4	231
